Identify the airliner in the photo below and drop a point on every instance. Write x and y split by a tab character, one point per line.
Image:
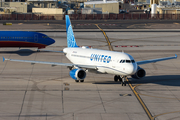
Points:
86	59
24	39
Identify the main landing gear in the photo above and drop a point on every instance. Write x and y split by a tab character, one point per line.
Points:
122	79
79	80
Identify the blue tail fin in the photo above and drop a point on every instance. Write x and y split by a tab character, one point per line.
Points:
71	42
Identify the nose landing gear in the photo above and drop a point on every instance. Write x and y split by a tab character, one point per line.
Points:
122	79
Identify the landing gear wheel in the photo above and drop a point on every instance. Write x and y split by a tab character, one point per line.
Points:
81	80
119	78
77	80
115	78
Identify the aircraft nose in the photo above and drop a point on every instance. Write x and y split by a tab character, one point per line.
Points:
51	41
132	69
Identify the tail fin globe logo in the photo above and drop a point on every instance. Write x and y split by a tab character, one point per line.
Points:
71	42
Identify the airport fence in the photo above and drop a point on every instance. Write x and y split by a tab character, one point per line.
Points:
89	16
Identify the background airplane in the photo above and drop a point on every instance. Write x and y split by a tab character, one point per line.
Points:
86	59
24	39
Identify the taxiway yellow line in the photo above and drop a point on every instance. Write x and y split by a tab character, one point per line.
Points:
140	100
107	39
165	114
176	23
132	87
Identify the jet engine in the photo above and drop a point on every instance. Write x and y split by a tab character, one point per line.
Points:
139	74
77	74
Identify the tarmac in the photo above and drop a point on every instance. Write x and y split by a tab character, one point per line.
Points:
42	92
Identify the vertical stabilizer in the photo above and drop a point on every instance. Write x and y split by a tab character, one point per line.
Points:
71	42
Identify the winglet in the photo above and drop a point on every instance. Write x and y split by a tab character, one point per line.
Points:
3	59
176	56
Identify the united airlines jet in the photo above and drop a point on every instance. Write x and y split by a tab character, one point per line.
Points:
86	59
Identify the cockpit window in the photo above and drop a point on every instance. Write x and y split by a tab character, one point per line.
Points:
127	61
122	61
132	61
45	37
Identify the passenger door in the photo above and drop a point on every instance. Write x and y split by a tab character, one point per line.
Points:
36	38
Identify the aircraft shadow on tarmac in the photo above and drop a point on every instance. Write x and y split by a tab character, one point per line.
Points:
167	80
106	82
21	52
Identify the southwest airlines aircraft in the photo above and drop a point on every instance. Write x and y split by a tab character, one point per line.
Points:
24	39
86	59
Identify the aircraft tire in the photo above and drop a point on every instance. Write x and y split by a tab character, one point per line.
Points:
119	78
115	78
81	80
77	80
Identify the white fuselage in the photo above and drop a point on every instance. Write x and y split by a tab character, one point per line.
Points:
110	62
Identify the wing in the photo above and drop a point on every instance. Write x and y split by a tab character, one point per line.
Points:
44	50
155	60
53	63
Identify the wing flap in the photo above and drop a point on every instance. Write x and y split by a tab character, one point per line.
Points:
155	60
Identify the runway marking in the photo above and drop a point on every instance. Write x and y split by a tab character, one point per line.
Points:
66	88
164	114
136	85
127	46
135	25
107	39
132	88
66	84
158	97
144	106
140	100
142	45
125	95
31	98
99	24
176	23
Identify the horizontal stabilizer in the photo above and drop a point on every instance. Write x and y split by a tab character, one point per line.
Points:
3	59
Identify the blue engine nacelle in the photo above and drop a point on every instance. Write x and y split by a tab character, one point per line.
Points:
77	74
139	74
